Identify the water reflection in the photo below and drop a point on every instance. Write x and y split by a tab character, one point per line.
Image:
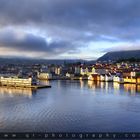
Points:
138	88
81	83
44	82
116	86
66	107
28	92
93	84
129	88
101	85
106	86
132	88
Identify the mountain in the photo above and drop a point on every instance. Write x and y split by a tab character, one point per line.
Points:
120	55
38	61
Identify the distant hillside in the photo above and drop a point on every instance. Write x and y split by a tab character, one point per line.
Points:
38	61
120	55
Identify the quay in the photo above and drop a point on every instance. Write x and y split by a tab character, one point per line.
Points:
25	86
21	83
40	86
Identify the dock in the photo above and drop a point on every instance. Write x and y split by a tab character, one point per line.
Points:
24	86
40	86
21	83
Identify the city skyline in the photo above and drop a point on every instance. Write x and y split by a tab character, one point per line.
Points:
68	29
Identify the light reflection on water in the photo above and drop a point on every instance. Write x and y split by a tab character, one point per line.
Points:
11	91
44	82
71	106
128	88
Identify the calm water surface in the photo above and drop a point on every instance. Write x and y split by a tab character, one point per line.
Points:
71	106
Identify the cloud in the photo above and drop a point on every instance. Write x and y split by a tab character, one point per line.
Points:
125	47
71	24
28	43
99	17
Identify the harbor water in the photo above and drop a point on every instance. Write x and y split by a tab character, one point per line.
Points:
71	106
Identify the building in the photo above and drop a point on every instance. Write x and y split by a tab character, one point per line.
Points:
138	80
135	73
102	77
17	82
127	74
101	71
94	77
77	70
87	71
130	80
71	75
117	79
44	68
108	77
44	76
58	70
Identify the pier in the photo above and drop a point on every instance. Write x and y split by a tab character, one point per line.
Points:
31	86
21	83
40	86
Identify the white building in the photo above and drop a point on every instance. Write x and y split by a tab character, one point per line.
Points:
58	70
44	76
133	73
108	78
69	75
117	79
102	77
16	81
87	71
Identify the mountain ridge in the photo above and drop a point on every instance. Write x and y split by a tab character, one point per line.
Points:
116	55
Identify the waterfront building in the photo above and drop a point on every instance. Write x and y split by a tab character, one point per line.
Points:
87	71
44	76
94	77
108	77
102	77
130	80
15	81
117	79
138	80
126	74
84	71
71	75
135	73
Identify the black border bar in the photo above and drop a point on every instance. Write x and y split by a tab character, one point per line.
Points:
72	135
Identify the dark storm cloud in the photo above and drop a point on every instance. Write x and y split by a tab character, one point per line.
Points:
70	13
21	41
111	17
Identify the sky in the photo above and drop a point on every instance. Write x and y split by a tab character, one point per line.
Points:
68	29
